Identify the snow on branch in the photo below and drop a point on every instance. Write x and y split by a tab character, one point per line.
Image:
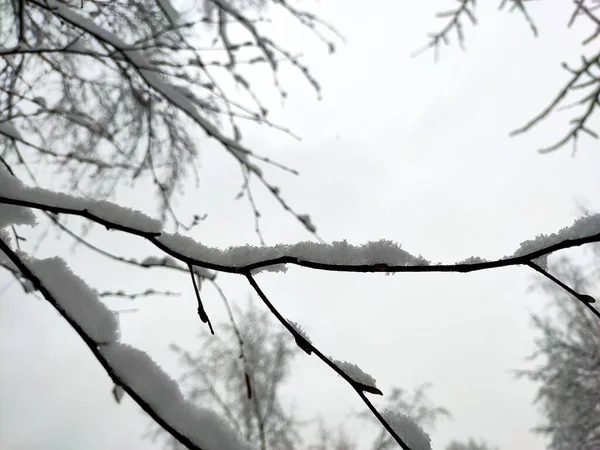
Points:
76	299
584	226
376	256
104	212
202	426
362	378
130	369
382	252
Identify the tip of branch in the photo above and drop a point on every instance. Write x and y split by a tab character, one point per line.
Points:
369	389
587	298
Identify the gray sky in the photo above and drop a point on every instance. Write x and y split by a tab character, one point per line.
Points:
399	148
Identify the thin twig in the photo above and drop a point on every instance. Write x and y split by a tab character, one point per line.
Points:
586	299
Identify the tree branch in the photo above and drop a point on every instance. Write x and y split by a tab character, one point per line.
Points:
94	347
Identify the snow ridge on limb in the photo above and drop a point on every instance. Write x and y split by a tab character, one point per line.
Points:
583	226
204	427
107	212
362	379
383	252
77	299
376	256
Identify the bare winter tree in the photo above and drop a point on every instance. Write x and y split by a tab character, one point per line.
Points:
568	352
240	371
582	91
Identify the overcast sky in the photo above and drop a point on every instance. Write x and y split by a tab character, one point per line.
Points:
399	148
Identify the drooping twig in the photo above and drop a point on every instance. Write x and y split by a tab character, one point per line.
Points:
201	312
359	387
585	299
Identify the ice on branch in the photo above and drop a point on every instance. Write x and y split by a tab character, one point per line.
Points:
340	252
583	227
139	372
409	430
77	299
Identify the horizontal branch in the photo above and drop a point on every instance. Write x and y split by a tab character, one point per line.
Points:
157	238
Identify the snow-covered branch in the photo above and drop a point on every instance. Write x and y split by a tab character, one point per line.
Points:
130	369
377	256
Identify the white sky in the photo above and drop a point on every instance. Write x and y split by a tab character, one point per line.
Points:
399	148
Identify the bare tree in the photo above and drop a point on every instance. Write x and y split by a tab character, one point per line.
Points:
582	91
240	372
568	349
